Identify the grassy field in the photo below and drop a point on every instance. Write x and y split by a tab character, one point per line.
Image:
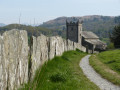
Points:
108	65
62	73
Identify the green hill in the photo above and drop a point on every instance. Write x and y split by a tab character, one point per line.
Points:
36	31
61	73
101	25
107	64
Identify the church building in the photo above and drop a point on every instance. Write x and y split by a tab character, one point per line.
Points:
87	39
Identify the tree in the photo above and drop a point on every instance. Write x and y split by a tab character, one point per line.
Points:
115	36
117	20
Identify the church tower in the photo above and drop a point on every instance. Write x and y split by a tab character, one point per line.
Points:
74	31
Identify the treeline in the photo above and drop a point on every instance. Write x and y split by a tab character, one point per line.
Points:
36	31
101	26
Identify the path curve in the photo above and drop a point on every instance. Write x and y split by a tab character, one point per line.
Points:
103	84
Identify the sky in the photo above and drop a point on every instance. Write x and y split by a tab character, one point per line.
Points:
43	10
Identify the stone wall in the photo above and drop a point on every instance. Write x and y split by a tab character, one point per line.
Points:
40	52
18	61
13	59
56	46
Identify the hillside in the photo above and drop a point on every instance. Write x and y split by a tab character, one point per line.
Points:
36	31
61	73
2	24
101	25
107	64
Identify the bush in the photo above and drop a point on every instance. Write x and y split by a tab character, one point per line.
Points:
111	46
59	77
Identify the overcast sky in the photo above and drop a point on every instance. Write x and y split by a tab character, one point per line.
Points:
44	10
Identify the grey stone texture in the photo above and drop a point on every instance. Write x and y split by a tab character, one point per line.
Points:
65	45
70	45
56	46
40	52
13	59
74	31
59	46
52	47
79	46
19	62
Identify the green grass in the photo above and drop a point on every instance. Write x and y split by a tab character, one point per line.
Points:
111	59
108	65
61	73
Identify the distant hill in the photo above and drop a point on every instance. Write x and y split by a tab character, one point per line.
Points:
36	31
101	25
2	24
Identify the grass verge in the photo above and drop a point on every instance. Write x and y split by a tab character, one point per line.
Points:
61	73
107	64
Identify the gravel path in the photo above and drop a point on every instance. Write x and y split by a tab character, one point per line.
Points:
103	84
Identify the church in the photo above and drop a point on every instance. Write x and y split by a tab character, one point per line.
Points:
87	39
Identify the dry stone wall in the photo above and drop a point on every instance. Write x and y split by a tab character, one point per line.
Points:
18	61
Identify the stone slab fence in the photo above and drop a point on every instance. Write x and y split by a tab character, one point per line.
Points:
13	59
15	56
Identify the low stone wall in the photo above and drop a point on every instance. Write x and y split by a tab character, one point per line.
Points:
18	61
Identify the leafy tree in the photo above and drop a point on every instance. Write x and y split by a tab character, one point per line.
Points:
110	46
115	36
117	19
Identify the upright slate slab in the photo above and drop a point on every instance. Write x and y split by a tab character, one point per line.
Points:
40	52
14	59
59	46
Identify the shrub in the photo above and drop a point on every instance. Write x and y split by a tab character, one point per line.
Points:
59	77
110	46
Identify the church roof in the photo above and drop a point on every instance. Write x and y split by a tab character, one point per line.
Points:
96	42
88	35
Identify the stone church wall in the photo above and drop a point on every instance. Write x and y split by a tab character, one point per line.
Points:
72	32
19	61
